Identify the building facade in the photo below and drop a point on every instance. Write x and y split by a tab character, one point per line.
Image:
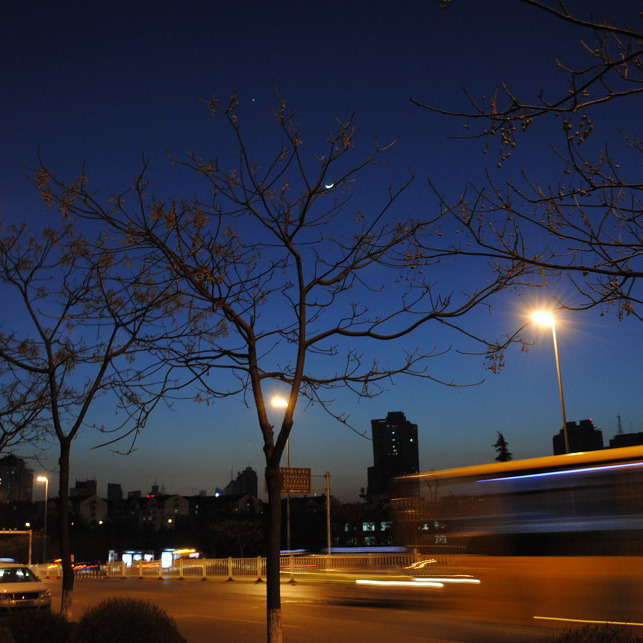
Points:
582	436
244	484
395	452
626	440
16	480
83	489
91	510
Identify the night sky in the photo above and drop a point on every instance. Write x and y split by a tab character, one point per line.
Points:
106	83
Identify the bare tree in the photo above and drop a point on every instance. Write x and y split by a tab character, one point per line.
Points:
73	335
285	282
588	226
20	413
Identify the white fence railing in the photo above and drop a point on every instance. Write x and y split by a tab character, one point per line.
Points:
247	568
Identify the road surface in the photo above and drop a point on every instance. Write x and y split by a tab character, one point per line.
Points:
214	610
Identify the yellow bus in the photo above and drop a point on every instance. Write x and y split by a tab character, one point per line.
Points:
558	537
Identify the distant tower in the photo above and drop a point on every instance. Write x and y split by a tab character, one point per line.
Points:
620	425
395	452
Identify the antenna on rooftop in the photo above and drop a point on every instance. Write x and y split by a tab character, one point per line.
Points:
620	425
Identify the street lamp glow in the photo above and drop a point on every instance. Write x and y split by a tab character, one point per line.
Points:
546	318
543	318
279	402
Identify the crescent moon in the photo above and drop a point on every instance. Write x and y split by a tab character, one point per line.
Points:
328	186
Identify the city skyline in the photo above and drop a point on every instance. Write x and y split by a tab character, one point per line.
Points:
345	492
127	83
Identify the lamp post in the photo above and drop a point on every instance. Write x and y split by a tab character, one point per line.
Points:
545	318
281	403
44	479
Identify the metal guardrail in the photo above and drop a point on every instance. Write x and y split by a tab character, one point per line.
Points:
247	568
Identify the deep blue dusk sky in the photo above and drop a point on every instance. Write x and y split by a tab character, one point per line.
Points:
105	83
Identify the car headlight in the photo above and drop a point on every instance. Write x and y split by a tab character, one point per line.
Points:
45	594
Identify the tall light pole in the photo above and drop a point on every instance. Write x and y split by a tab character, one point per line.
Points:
281	403
44	479
545	318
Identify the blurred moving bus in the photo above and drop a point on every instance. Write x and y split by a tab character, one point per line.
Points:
557	537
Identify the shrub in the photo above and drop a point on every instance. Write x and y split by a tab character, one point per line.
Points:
36	627
598	634
122	620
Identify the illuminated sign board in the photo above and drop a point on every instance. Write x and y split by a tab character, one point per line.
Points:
295	479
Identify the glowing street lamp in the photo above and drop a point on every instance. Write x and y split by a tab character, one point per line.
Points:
545	318
44	479
282	403
279	402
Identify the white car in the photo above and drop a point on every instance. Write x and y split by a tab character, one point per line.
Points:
21	589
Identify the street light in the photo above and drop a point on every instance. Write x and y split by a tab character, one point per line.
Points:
44	479
545	318
279	402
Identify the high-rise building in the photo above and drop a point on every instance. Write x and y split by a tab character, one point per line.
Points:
114	492
245	483
16	480
582	436
115	497
395	452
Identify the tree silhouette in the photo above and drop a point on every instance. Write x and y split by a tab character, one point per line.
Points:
283	283
586	226
502	449
74	335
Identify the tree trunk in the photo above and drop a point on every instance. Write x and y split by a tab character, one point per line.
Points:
273	587
63	531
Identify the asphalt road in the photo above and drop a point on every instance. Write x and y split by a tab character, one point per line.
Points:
212	611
